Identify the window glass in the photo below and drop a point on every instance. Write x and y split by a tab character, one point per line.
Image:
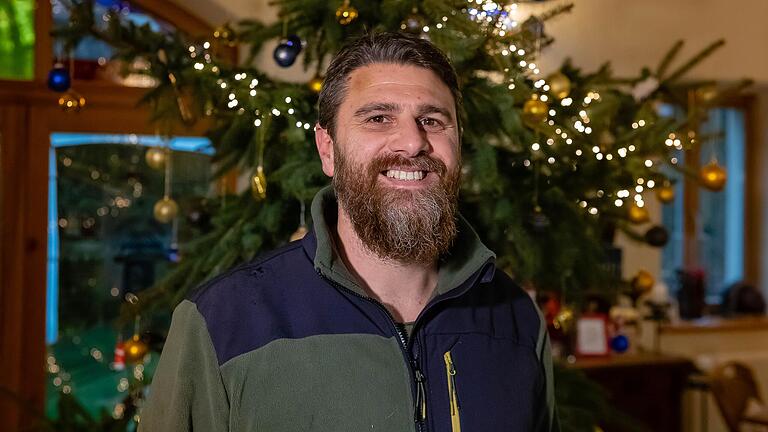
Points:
105	244
719	218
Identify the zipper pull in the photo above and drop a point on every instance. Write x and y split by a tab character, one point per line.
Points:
453	396
421	400
452	375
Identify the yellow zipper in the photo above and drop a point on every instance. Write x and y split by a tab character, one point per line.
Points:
453	397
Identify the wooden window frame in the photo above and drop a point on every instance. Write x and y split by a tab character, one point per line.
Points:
752	229
29	113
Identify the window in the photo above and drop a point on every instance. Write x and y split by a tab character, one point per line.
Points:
104	244
91	58
718	242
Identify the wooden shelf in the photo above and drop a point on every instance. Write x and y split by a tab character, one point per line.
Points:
716	324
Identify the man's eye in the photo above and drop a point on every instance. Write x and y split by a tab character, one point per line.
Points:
377	119
430	122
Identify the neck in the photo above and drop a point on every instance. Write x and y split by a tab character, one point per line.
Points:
404	288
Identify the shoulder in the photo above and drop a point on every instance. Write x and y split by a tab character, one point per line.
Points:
243	281
527	320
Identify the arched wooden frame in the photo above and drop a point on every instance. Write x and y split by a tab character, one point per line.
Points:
28	115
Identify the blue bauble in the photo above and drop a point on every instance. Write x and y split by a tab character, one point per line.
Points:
285	54
620	343
109	3
294	42
59	79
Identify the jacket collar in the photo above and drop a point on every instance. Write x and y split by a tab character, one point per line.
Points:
467	256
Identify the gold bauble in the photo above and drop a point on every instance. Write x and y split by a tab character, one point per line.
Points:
316	84
135	350
299	234
535	111
259	184
155	157
643	282
346	13
71	101
165	210
706	94
713	176
666	193
563	319
226	34
559	85
637	214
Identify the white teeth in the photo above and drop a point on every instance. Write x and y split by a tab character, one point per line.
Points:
405	175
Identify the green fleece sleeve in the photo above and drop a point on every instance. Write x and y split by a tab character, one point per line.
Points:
187	391
547	417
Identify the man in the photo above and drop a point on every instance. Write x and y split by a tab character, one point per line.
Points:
390	315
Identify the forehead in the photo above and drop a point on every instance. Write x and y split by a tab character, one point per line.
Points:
404	84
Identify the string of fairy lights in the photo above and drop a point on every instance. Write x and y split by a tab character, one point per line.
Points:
547	102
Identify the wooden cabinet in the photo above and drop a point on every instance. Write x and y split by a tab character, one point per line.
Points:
647	387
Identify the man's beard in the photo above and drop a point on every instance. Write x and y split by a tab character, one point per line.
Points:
402	225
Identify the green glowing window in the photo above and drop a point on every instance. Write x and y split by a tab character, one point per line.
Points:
17	39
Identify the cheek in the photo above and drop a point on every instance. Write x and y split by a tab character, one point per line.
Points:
448	149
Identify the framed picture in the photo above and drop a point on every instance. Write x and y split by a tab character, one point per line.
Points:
592	338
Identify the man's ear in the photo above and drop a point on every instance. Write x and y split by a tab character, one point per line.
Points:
324	144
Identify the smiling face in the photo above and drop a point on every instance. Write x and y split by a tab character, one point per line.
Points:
395	160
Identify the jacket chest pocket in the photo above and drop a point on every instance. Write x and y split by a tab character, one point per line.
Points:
475	382
453	393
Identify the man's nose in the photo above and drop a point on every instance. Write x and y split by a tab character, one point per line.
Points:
410	139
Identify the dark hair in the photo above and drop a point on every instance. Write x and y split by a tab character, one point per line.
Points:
392	48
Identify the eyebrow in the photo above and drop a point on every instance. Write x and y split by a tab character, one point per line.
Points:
376	107
422	109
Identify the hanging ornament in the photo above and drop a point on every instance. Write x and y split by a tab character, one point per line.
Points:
413	23
294	42
316	84
135	350
534	25
109	3
182	100
538	220
606	139
637	214
643	282
155	157
559	85
59	79
666	193
199	216
657	236
166	210
563	319
346	13
226	35
285	54
118	361
71	101
713	176
620	343
707	93
173	254
534	111
259	184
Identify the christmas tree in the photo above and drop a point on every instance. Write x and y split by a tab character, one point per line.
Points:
552	164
